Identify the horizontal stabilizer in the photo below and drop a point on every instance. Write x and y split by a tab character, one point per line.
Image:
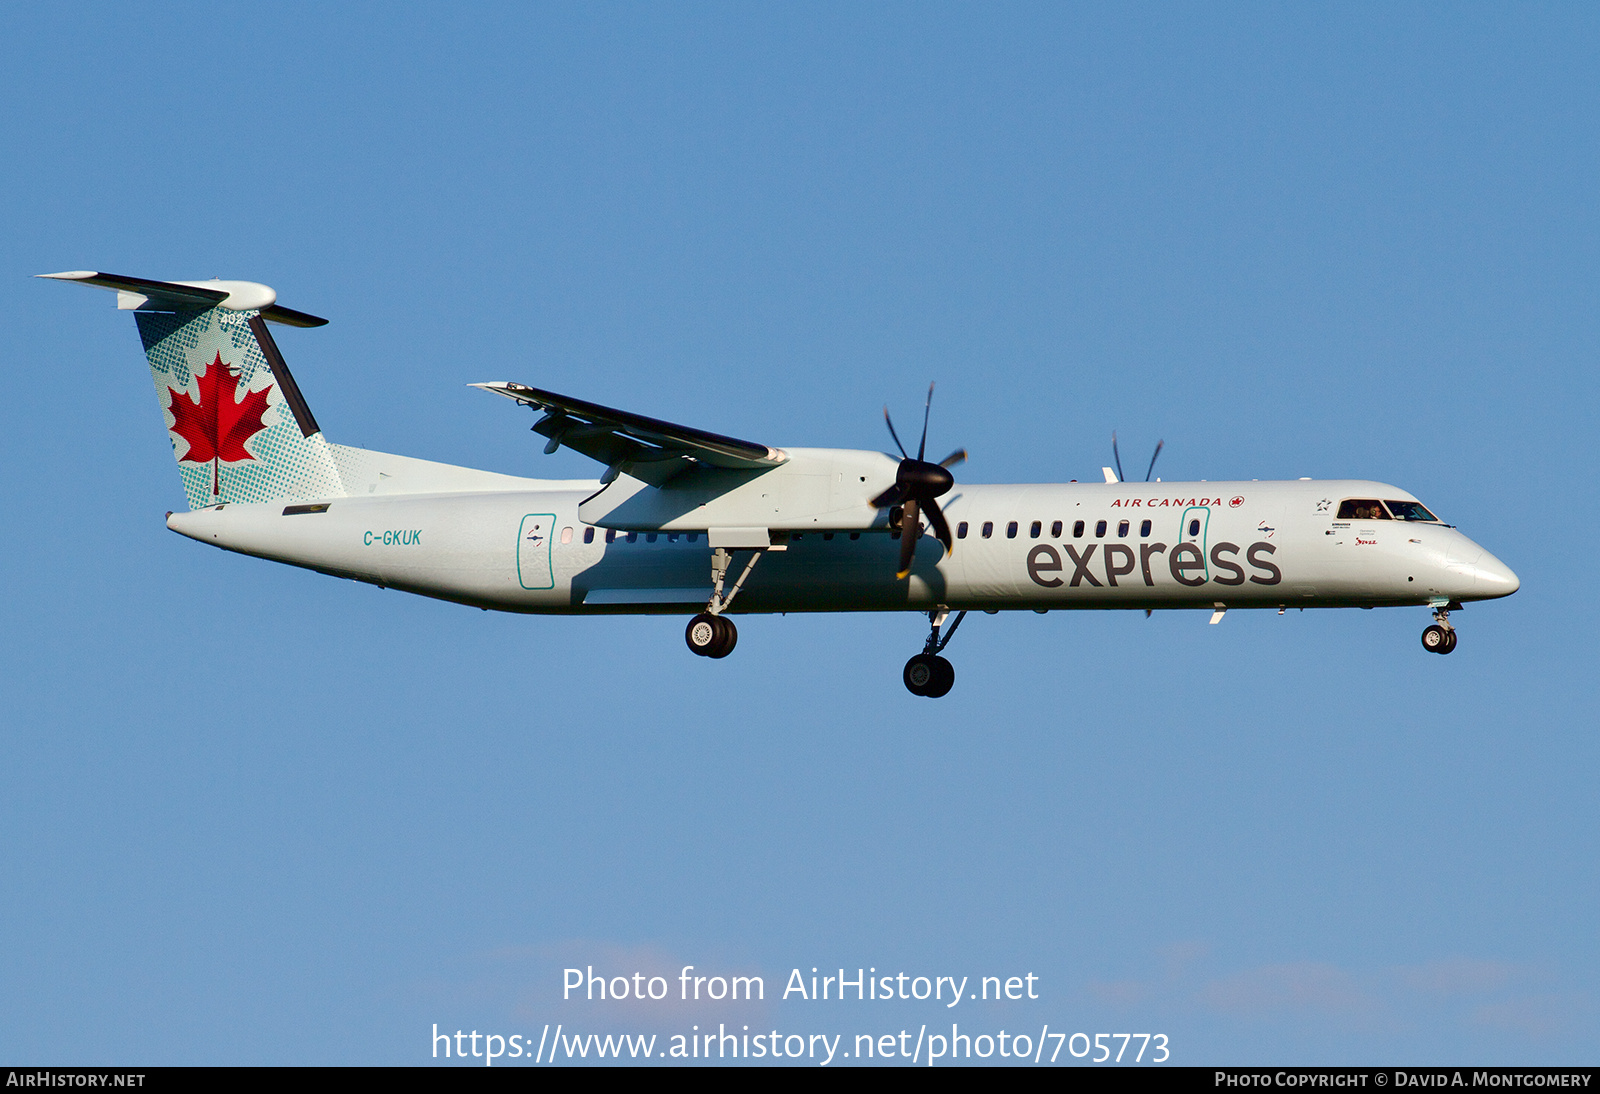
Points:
142	294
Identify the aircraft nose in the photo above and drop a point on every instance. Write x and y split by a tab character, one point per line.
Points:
1493	577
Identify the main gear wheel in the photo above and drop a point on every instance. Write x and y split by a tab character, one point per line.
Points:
711	635
929	675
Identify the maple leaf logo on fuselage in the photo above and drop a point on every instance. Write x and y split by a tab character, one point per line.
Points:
217	425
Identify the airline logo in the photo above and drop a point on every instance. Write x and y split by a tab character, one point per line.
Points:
217	424
1186	563
1179	503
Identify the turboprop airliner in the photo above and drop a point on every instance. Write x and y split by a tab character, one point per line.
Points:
680	518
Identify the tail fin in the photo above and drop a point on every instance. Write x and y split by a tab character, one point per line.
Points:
239	427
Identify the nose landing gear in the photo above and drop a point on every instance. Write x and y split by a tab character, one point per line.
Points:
927	673
1441	637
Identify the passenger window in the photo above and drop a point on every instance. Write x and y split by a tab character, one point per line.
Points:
1099	528
1034	530
588	535
1194	528
1077	529
988	529
1144	528
961	530
796	537
566	535
1011	530
611	535
1362	509
1122	529
855	535
694	537
1055	529
829	535
650	538
1410	510
672	537
633	537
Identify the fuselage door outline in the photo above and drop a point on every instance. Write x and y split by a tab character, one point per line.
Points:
1198	538
534	569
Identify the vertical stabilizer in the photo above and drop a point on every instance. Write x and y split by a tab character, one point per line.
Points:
230	414
240	429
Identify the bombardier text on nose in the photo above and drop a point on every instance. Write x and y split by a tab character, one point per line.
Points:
666	524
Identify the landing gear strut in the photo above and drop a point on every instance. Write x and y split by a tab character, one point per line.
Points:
927	673
1441	637
709	634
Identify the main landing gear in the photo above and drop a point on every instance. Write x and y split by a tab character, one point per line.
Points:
927	673
1441	637
710	634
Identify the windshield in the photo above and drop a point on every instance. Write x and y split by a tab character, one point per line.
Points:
1362	509
1410	510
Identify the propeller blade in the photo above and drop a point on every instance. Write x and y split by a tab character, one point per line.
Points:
910	532
892	496
1159	446
1115	455
890	423
958	456
922	445
941	527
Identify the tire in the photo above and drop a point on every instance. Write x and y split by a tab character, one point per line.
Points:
1436	639
944	678
920	673
1450	644
727	637
703	635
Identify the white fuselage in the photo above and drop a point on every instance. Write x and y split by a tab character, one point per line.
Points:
521	546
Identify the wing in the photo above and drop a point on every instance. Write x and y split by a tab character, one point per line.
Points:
647	448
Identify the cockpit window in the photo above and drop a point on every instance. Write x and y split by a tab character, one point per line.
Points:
1410	510
1362	509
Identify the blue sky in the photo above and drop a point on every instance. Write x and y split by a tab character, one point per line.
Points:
252	814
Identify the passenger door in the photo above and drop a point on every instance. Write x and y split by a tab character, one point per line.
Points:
1196	525
533	551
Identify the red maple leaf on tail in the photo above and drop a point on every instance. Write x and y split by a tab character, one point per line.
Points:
217	426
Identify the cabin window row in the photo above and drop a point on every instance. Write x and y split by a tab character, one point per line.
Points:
1079	529
1013	529
612	536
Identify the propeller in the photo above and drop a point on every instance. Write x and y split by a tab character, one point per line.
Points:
917	485
1115	455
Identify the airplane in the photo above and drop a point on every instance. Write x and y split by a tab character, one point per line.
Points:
678	508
